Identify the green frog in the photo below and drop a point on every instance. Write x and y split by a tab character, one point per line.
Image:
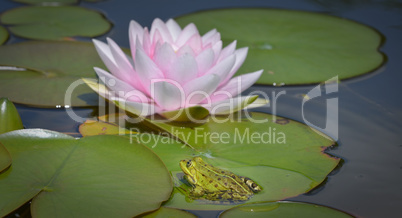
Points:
212	183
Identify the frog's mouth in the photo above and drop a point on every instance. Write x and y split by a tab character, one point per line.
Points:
187	171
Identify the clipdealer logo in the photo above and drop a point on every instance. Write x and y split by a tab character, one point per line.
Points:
332	108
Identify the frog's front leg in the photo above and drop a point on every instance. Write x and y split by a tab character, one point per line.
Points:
197	191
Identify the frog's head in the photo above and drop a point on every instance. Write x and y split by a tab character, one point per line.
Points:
189	167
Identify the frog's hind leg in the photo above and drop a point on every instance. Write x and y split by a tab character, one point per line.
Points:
228	196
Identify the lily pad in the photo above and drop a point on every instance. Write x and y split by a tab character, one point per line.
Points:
283	209
47	2
55	23
283	156
99	176
52	67
295	47
3	35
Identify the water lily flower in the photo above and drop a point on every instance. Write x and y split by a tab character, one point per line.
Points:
171	69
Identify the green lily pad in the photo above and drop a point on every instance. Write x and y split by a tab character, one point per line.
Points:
283	156
9	117
52	67
98	176
47	2
168	212
3	35
294	47
55	23
5	158
283	209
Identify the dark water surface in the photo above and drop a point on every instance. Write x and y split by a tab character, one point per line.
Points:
369	182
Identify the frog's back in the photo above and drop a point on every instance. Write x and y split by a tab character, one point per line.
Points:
225	179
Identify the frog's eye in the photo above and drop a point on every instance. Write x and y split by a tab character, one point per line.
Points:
189	163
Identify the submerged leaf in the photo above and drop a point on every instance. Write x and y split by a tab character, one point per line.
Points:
295	47
66	21
98	176
283	209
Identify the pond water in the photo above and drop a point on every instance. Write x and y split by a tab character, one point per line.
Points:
368	182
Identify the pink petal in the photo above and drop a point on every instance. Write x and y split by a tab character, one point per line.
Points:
195	43
183	69
120	88
135	32
174	29
241	55
207	36
212	39
146	42
200	88
205	60
228	50
186	34
159	25
217	47
236	86
185	50
157	38
167	95
107	57
146	70
222	69
164	57
124	65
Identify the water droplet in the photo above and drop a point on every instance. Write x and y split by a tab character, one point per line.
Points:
111	82
266	46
